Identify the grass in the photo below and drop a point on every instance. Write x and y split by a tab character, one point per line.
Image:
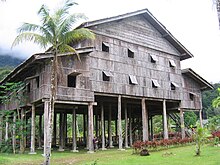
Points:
174	156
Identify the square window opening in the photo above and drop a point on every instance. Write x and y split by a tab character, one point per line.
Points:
153	58
132	80
155	84
105	47
173	86
191	96
105	76
71	81
28	87
172	63
37	81
130	53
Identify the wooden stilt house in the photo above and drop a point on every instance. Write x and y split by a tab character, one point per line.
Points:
130	72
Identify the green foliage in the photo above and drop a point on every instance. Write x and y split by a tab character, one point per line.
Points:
190	118
207	98
201	136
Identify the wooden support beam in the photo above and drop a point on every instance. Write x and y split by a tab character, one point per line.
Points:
14	133
110	127
61	138
182	125
144	120
120	140
90	128
40	132
165	128
130	128
1	128
32	151
200	118
126	125
74	146
103	126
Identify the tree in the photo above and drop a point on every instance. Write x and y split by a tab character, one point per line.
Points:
216	101
56	32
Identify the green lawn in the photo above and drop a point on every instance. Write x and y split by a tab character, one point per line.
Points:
178	156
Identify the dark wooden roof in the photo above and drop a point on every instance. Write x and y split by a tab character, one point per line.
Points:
203	83
185	54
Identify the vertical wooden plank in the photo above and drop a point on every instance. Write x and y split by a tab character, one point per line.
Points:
14	133
90	127
40	132
120	140
151	128
144	120
74	147
32	151
103	126
61	130
126	126
96	123
55	130
130	129
165	128
200	117
22	148
110	127
182	123
1	134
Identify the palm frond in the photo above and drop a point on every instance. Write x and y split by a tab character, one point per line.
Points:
67	23
28	36
77	35
216	102
64	48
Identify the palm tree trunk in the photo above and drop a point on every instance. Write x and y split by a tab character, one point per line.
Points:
53	89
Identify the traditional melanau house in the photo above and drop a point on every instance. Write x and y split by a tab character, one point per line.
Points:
129	73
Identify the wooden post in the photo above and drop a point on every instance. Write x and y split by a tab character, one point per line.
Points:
165	120
120	140
22	148
74	147
40	132
61	139
110	127
151	128
130	129
200	117
14	133
32	151
96	123
46	107
182	124
103	127
144	120
84	129
90	128
55	130
126	126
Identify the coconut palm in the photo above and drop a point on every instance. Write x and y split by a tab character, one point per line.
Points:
55	33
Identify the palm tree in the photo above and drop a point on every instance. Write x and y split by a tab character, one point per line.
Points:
55	32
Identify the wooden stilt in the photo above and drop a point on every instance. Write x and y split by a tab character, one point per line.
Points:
120	140
182	124
165	120
1	133
126	126
40	132
90	128
144	120
32	151
130	129
110	127
55	130
61	139
74	147
103	127
151	128
14	133
200	118
22	148
84	129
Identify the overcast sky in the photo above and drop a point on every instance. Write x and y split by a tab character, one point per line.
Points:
193	22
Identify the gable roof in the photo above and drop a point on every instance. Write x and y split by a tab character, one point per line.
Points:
205	85
185	54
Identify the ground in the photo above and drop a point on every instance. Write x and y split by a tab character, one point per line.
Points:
173	156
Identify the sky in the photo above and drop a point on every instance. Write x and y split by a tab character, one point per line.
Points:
193	23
